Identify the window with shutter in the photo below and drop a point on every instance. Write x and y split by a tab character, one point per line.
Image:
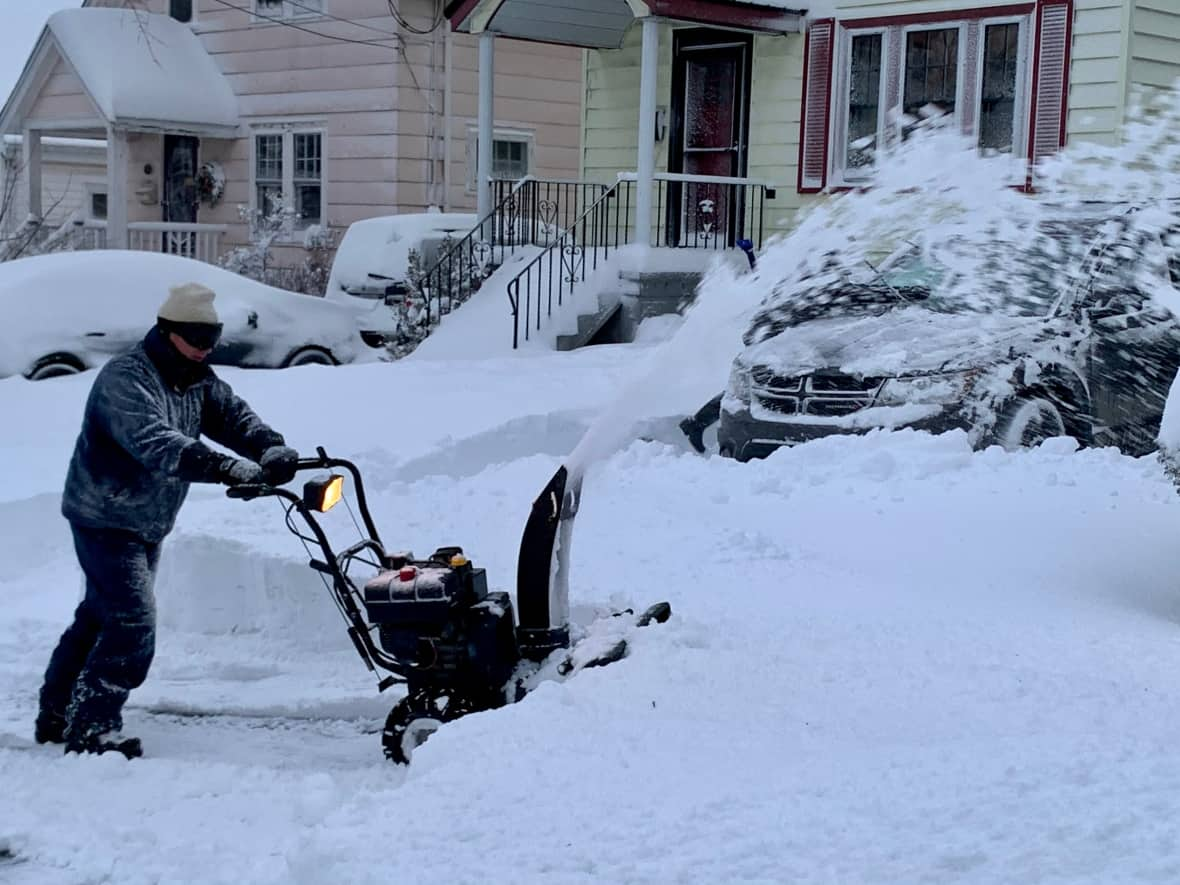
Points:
817	89
999	73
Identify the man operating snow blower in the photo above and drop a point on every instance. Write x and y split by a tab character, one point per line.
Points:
137	453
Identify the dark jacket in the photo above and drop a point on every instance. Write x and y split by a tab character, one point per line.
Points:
139	450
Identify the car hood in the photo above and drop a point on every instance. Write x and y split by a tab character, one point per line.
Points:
909	340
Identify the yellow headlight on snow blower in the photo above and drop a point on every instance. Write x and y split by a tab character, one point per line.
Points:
321	495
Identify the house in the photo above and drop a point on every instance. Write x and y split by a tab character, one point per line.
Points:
210	113
713	121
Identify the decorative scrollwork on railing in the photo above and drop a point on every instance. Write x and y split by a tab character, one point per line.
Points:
481	257
573	259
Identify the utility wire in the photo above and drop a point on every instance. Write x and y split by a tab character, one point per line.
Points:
289	24
404	23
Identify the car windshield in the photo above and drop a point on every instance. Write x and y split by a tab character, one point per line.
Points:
1033	279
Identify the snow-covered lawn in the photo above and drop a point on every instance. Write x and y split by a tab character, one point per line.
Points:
892	660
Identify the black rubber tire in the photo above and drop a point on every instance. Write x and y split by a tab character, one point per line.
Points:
1028	420
414	718
310	356
56	365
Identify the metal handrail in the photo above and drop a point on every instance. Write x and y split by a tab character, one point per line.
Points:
596	227
526	212
692	211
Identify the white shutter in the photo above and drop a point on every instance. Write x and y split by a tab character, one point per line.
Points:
1050	88
817	99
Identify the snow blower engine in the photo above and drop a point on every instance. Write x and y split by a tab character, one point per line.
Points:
432	623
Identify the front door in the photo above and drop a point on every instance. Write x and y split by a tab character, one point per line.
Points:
180	192
710	122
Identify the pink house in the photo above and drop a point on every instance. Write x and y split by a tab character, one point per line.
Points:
330	111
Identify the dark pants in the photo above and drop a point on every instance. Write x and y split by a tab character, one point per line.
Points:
108	649
709	413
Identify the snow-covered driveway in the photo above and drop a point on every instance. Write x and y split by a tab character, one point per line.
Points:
891	661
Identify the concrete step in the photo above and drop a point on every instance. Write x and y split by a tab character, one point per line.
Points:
590	324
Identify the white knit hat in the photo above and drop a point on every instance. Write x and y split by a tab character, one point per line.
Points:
189	303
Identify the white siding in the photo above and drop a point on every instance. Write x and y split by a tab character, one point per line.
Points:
67	179
1155	43
1097	88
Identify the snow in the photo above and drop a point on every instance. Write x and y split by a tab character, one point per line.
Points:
854	687
142	66
92	304
892	658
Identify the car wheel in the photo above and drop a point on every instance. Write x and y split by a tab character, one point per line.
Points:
55	365
1028	421
310	356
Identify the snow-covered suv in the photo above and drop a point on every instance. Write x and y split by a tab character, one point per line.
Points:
1093	360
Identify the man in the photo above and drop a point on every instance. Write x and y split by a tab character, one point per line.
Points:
137	452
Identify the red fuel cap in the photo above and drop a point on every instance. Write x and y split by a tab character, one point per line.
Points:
408	573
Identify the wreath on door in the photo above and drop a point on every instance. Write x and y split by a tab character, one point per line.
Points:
210	182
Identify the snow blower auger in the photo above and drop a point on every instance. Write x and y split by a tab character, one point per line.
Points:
432	623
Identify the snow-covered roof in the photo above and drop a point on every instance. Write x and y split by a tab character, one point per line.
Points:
144	68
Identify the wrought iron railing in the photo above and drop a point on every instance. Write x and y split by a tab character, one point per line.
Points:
692	212
529	212
706	212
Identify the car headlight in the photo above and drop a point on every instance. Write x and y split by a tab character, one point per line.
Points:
739	383
941	388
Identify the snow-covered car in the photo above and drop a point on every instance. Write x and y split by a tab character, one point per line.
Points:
1093	359
371	272
64	313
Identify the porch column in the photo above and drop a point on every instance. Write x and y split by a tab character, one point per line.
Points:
646	167
487	122
31	147
117	160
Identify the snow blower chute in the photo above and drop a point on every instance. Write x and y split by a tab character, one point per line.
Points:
432	623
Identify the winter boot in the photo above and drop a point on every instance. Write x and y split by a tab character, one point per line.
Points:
695	434
50	728
106	742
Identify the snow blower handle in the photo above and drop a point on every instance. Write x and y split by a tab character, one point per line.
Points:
249	491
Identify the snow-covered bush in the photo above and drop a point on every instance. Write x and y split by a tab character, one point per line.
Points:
257	261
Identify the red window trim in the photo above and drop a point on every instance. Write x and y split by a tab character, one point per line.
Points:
950	15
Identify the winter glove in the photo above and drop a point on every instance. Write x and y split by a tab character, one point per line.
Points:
235	472
278	464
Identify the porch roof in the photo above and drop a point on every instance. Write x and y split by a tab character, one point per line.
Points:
603	24
141	71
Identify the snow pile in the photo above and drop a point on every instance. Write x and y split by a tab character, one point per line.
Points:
140	66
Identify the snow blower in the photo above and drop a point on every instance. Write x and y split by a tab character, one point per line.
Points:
433	624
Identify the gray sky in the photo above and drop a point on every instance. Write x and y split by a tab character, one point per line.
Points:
20	24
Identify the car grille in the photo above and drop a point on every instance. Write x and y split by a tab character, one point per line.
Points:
822	394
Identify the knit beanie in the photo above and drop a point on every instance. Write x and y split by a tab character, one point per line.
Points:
189	303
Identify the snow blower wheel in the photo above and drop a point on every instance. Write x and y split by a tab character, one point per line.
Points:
415	718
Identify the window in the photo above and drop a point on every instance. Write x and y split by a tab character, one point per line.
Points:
181	10
307	176
512	155
997	104
931	72
98	205
273	9
864	99
869	82
288	175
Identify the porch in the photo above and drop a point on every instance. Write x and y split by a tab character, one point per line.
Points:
158	115
689	186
